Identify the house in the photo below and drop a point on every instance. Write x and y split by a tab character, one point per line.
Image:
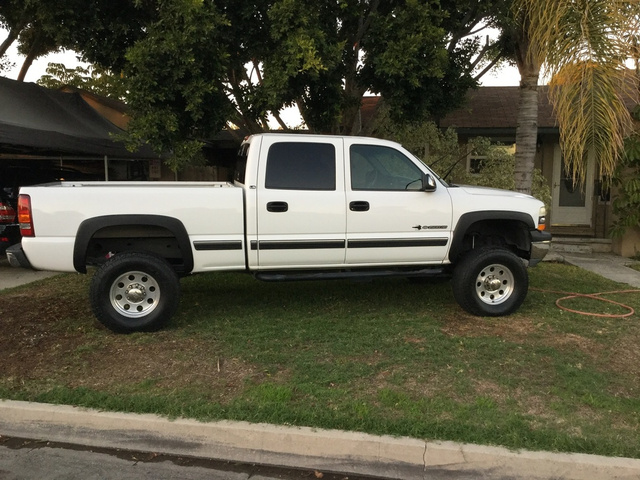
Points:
581	216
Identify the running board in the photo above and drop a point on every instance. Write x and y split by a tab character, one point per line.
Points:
292	276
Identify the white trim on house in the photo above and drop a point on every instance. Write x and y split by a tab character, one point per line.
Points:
571	205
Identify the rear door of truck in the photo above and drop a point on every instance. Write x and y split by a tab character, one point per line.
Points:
300	211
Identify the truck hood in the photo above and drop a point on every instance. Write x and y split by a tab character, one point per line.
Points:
487	191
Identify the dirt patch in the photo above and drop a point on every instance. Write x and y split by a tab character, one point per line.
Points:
625	358
490	390
507	328
519	330
51	336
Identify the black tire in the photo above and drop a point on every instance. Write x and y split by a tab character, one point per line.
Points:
490	282
134	292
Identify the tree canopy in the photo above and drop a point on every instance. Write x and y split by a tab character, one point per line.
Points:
92	79
29	24
191	66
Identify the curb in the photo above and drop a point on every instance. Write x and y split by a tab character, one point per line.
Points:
300	447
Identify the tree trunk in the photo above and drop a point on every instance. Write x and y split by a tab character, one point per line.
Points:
13	35
350	123
526	132
33	53
528	61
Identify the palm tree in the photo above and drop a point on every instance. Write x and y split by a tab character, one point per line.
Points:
529	65
584	45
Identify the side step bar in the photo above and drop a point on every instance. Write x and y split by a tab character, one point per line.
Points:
284	276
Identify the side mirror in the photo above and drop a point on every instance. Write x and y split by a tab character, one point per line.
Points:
428	183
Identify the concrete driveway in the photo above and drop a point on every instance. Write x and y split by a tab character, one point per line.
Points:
13	277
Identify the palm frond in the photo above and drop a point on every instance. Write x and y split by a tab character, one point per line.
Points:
584	45
589	103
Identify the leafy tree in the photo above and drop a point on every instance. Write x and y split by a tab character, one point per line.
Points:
173	78
442	151
192	65
93	79
33	24
626	179
14	18
5	64
101	29
410	53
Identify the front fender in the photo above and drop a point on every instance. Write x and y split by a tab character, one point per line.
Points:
468	219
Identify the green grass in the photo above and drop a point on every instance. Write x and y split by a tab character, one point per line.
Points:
387	357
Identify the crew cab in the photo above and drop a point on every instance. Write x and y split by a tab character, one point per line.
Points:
300	207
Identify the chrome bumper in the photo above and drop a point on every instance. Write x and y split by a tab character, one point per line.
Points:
540	245
17	258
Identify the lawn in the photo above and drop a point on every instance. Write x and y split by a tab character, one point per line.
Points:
386	357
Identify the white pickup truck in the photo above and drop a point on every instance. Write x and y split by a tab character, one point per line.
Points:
300	207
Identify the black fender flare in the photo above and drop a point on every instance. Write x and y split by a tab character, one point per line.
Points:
89	227
468	219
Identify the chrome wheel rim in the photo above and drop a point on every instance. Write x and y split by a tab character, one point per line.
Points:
135	294
494	284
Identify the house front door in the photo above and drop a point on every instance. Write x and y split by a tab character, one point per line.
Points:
571	204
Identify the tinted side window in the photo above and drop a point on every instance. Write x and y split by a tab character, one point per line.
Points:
376	167
301	166
241	164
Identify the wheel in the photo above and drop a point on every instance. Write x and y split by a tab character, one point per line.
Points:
134	292
490	281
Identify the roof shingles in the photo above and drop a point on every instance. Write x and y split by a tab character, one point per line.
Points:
497	107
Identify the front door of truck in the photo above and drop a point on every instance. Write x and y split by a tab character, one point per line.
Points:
301	213
390	220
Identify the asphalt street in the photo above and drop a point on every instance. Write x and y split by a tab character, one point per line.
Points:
33	459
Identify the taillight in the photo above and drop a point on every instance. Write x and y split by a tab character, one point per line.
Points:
25	219
7	213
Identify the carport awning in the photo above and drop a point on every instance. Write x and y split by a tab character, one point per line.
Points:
38	120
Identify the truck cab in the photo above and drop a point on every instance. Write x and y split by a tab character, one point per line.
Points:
331	202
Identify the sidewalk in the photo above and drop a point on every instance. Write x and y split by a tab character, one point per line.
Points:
608	265
299	447
14	277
